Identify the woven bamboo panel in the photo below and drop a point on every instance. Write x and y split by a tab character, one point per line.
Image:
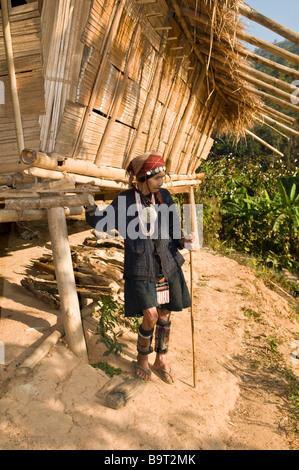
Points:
62	24
97	23
31	94
69	128
25	25
8	145
140	72
206	151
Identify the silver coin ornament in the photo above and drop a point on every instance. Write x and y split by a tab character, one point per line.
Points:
148	215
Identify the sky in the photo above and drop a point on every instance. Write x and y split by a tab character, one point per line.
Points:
285	12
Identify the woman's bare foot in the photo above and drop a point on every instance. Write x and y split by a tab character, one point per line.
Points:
142	361
160	365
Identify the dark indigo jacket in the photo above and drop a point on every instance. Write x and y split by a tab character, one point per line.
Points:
144	255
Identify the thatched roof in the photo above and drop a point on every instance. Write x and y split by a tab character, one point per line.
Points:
105	80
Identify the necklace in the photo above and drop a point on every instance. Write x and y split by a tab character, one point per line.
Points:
147	215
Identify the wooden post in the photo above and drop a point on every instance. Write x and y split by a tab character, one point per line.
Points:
12	75
70	309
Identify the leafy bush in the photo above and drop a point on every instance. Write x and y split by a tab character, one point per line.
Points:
247	206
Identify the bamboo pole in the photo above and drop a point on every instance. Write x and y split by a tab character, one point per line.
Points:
266	86
70	165
170	90
12	75
266	46
260	79
266	96
193	230
119	95
243	36
70	309
289	87
259	93
278	114
181	134
270	63
263	142
207	128
273	128
153	88
246	53
80	179
105	55
282	126
190	143
253	15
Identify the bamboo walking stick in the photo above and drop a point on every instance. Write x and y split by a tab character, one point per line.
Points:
193	230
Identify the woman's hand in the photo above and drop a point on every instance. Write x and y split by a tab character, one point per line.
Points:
190	243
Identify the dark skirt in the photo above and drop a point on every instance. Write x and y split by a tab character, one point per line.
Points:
141	295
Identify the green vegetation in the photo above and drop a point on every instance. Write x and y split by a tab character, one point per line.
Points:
105	367
251	195
110	320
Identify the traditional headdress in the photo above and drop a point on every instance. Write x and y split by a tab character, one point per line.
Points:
146	166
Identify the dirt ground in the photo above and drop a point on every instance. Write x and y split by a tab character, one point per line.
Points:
241	399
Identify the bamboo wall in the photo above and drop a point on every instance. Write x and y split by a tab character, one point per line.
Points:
26	34
107	80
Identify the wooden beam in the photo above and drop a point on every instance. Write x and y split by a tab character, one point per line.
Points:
41	352
257	17
46	201
263	142
11	168
70	309
12	75
33	214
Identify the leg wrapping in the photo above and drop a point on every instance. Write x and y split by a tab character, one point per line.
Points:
144	341
162	336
